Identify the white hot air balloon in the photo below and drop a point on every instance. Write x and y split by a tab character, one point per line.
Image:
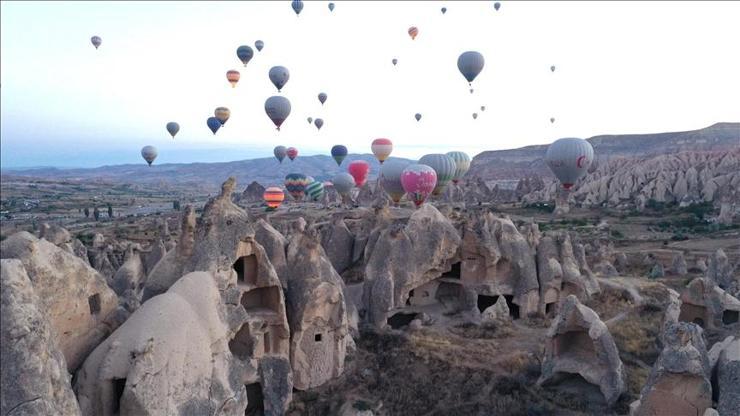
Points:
569	159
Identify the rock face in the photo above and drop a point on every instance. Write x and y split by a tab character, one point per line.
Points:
579	343
406	257
707	305
657	271
338	242
131	275
728	377
34	373
498	261
275	245
318	315
678	264
253	193
720	271
77	302
54	234
678	383
496	315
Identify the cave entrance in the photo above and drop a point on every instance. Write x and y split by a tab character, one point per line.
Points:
262	300
246	270
454	272
484	302
255	400
575	344
550	309
401	319
119	385
693	313
94	303
730	317
241	345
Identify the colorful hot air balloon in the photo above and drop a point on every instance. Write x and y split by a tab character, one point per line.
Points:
569	159
273	197
259	45
222	114
96	41
214	124
395	61
552	68
339	152
413	32
470	64
417	116
359	170
497	6
443	166
149	153
232	76
318	123
279	76
296	183
552	119
310	120
292	153
382	148
462	164
173	128
315	190
280	152
475	116
444	10
245	54
343	183
418	181
297	6
390	178
322	98
331	7
277	109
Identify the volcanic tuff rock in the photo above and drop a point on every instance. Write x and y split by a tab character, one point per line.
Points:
74	297
338	242
253	193
579	342
275	245
405	257
728	375
54	234
721	272
705	303
131	275
34	373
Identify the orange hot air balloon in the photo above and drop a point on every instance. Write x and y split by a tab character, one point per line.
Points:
413	32
273	196
233	77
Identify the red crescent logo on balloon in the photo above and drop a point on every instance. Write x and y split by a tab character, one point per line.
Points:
579	161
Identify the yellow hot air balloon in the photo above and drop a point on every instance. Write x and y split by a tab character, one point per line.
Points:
233	76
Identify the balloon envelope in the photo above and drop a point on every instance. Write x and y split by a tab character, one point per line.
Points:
244	53
315	190
382	148
331	7
470	64
443	166
214	124
273	197
292	153
444	10
417	116
318	123
222	114
149	153
497	6
395	61
310	120
233	76
277	109
359	170
343	183
475	116
297	6
280	152
96	41
322	98
569	159
552	68
339	152
296	183
390	178
413	32
462	164
552	119
418	181
259	45
279	76
173	128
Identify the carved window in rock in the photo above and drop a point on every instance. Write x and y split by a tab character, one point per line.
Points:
94	304
246	270
263	300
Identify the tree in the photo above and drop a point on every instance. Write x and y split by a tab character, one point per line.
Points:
176	205
110	211
96	213
87	212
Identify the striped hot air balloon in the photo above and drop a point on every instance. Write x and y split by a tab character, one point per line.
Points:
296	183
273	197
315	190
443	166
413	32
233	76
462	164
382	148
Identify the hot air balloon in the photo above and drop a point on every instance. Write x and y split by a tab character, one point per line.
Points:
552	119
395	61
310	120
418	181
232	76
297	6
318	123
296	183
390	178
259	45
382	148
343	183
359	170
278	109
322	98
214	124
149	153
569	159
245	54
443	166
497	6
279	75
292	153
280	152
339	152
331	7
315	190
222	114
552	68
483	108
470	64
417	116
273	197
444	10
413	32
475	116
462	164
96	41
173	128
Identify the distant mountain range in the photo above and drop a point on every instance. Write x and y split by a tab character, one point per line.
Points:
499	165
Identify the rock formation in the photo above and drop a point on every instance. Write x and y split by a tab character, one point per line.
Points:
131	275
253	193
34	372
496	315
275	245
720	271
726	366
579	343
678	264
707	305
75	298
338	242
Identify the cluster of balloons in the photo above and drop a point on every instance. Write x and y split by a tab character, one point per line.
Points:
281	151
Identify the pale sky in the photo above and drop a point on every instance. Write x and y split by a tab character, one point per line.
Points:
622	67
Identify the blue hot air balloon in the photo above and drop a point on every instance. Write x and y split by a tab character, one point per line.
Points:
297	6
244	53
214	124
339	152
